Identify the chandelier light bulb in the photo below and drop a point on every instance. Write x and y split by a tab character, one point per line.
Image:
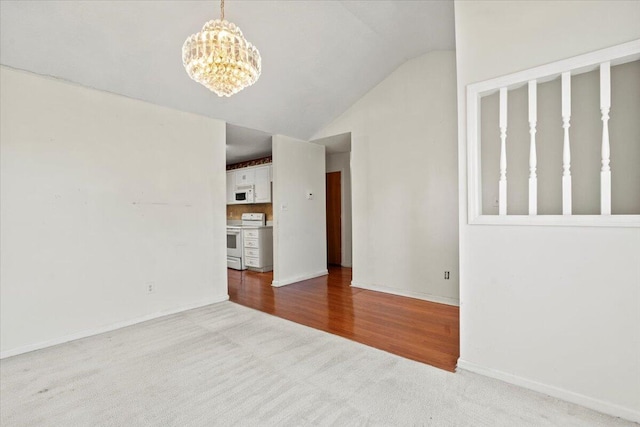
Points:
220	58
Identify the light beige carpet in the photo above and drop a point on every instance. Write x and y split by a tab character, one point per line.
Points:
229	365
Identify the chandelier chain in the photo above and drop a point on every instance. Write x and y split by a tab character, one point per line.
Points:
222	10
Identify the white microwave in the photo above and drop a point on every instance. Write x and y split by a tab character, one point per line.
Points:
244	194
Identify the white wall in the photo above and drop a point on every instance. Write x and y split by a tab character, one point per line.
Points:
555	309
299	234
102	195
404	180
340	162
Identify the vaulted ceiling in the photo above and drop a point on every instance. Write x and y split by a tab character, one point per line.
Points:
318	57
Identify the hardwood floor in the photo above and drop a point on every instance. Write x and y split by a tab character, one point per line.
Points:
416	329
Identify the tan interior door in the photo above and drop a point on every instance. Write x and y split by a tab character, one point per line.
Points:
334	209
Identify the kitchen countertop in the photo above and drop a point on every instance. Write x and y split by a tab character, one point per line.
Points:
236	223
249	226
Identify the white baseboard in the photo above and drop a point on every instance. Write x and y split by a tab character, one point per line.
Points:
95	331
569	396
278	283
405	293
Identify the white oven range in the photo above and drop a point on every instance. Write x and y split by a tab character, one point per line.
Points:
234	248
235	239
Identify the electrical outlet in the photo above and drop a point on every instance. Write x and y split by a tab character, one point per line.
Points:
446	275
151	287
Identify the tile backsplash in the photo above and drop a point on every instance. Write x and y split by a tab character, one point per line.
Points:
235	211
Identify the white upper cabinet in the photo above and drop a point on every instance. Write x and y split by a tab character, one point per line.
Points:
258	176
262	185
231	186
245	176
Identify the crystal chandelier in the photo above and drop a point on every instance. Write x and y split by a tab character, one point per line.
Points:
220	58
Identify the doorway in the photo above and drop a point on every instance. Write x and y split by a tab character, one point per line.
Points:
338	198
334	218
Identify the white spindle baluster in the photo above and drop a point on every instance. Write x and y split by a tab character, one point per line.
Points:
502	185
566	150
605	105
533	160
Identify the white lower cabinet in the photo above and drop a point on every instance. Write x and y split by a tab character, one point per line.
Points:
252	262
251	243
258	248
251	253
